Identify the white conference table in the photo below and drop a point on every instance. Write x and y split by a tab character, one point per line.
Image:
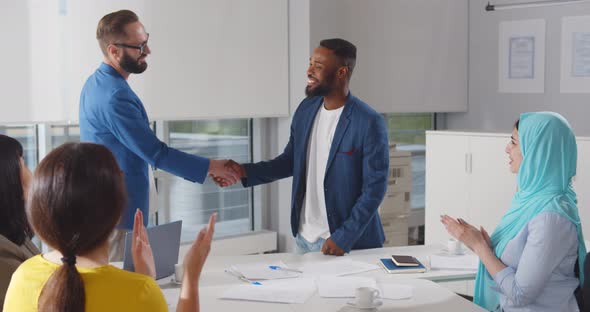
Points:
428	295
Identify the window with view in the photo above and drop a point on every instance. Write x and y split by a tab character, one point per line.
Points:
193	203
27	136
408	132
60	134
178	199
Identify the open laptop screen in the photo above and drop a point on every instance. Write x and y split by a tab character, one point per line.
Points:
165	242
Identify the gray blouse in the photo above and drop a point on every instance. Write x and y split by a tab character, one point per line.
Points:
540	263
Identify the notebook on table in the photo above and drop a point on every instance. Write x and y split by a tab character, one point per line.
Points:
390	267
165	242
400	260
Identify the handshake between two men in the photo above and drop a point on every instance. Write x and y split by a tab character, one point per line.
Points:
228	172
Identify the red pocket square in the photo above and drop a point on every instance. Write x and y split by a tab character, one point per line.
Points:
349	153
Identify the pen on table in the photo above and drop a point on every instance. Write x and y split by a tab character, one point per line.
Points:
276	267
242	277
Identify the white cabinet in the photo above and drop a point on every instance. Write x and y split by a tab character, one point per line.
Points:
446	183
492	185
467	176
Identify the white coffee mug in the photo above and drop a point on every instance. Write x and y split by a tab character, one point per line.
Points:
178	272
454	246
365	296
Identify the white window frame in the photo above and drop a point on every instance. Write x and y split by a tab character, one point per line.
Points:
43	141
255	213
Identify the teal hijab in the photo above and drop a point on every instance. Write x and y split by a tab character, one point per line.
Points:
544	181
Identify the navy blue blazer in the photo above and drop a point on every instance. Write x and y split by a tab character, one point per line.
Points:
355	181
112	114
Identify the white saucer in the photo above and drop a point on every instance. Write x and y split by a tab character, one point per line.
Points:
174	281
376	303
446	252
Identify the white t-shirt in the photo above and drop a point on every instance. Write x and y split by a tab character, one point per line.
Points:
314	219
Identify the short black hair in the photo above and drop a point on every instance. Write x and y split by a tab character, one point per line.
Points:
343	49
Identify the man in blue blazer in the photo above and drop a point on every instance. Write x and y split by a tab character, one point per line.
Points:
112	114
338	155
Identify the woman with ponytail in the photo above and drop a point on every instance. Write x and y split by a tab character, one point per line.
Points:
76	200
529	262
15	231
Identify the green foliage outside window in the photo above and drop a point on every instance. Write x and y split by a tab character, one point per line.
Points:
408	128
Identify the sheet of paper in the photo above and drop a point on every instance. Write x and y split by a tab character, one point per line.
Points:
337	267
396	291
262	271
463	262
343	286
297	290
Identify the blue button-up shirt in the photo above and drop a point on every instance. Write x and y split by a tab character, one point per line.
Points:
112	114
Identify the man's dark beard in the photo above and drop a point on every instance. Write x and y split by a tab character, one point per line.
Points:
322	89
131	65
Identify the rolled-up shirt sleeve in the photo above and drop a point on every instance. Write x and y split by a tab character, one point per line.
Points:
550	236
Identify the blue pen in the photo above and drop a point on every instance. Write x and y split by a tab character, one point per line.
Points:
276	267
242	277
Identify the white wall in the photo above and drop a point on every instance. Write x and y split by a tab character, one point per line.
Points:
15	75
411	54
210	58
493	111
278	204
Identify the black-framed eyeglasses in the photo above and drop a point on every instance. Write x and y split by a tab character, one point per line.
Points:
140	47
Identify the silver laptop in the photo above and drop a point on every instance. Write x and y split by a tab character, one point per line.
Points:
165	242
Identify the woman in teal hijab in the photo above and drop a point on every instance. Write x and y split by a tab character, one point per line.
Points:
528	263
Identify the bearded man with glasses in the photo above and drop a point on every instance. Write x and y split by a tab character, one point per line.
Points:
112	114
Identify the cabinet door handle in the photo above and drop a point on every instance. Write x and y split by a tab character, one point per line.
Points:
466	162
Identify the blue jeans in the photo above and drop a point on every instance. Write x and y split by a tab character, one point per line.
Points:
302	246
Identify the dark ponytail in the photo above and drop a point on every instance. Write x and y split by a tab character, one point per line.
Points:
63	292
77	197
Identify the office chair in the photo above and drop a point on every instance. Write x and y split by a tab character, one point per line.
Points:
584	303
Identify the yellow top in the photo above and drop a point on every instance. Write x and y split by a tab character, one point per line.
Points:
107	288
